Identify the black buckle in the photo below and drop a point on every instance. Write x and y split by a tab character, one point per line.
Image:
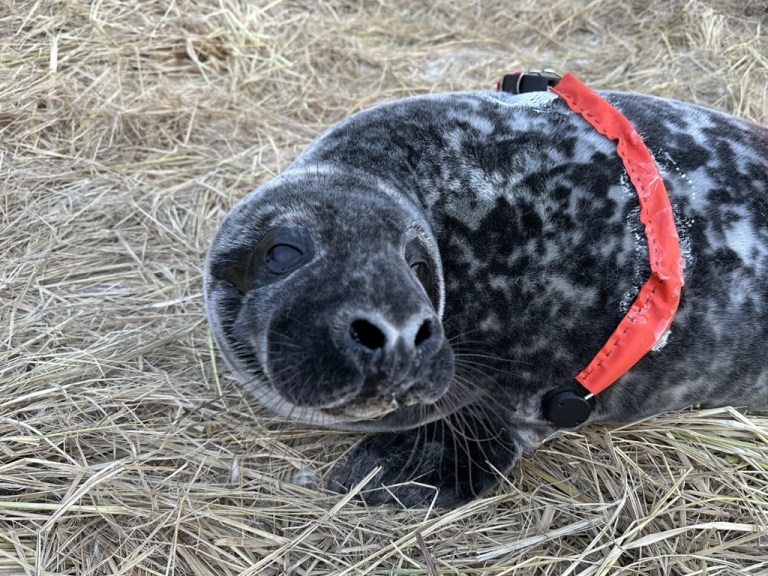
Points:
530	81
568	407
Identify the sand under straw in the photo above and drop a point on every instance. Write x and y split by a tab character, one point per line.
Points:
127	129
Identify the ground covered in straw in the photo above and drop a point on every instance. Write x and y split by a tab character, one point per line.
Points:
128	129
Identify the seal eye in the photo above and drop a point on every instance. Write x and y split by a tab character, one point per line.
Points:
279	252
420	269
281	258
421	264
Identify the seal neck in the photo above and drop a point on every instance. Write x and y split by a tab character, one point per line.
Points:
653	311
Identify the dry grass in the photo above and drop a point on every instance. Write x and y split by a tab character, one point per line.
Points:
128	128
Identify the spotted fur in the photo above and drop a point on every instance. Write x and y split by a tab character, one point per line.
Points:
524	219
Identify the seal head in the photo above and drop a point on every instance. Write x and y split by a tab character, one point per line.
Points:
325	291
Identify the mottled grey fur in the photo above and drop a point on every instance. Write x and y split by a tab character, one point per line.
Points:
460	255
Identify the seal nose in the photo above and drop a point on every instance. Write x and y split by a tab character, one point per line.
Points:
367	335
372	334
400	361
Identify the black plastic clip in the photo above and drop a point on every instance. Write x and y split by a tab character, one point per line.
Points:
530	81
568	407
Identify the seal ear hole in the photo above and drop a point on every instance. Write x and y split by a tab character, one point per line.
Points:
367	335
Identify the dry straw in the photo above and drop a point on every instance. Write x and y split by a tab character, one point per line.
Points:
127	129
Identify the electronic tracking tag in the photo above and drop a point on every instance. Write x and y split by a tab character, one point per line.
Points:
530	81
567	407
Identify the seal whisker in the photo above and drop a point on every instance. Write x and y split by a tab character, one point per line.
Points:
490	357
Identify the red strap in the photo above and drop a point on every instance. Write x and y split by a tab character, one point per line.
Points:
652	313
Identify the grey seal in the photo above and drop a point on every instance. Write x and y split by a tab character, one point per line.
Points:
428	270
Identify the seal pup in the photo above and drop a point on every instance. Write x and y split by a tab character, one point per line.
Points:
430	269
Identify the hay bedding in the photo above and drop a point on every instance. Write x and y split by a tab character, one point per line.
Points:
128	128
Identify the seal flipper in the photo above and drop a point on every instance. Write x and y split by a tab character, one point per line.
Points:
450	462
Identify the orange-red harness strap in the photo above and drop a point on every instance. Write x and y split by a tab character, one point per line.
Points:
652	313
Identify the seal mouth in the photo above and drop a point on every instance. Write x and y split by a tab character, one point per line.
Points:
365	405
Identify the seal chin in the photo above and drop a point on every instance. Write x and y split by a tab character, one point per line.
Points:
383	413
372	408
364	409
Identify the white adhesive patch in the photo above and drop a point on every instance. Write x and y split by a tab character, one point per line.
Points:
661	342
529	99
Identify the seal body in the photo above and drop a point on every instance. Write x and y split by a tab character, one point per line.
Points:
430	269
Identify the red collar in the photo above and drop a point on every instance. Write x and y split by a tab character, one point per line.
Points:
653	311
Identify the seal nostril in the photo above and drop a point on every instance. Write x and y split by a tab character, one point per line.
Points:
424	333
367	335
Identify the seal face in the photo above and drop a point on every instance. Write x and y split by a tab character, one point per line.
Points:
325	298
432	268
